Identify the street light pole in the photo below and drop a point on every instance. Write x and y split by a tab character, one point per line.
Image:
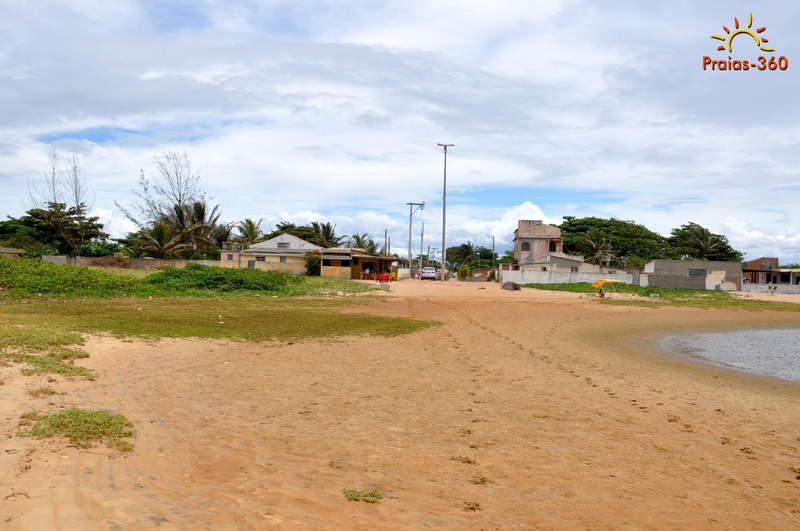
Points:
411	210
444	210
421	239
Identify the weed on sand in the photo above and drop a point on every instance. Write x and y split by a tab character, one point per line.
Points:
660	297
40	392
80	426
367	496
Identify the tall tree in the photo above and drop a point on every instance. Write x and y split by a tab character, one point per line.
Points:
249	231
325	234
173	201
596	247
628	239
692	240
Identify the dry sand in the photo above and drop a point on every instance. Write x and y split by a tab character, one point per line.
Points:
524	410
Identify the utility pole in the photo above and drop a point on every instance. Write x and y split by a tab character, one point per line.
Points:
493	266
444	210
386	242
428	256
421	238
412	207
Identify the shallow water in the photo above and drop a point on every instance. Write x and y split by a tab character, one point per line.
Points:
770	352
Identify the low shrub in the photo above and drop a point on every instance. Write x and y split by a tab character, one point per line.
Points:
196	276
31	277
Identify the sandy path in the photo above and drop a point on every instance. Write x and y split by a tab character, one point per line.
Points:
566	416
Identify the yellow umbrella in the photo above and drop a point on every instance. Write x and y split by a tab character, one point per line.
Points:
599	283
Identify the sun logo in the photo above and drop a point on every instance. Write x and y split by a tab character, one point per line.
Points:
742	31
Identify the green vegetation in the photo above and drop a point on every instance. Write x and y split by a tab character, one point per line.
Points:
220	279
43	391
629	244
43	349
244	318
81	427
32	278
37	364
471	256
368	496
658	297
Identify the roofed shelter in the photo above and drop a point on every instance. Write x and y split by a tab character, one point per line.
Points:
353	263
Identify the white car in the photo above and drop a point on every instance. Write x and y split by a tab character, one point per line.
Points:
429	272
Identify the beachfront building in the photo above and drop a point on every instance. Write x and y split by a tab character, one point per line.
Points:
692	274
539	247
288	253
353	263
285	252
766	270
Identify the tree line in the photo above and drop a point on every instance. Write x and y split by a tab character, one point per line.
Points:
619	243
173	215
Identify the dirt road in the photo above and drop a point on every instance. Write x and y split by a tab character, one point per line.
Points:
523	410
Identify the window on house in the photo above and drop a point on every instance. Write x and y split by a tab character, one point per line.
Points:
251	264
526	246
786	277
573	269
283	259
544	268
230	257
700	273
283	245
553	247
326	263
261	258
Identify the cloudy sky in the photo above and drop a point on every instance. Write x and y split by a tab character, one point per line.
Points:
323	109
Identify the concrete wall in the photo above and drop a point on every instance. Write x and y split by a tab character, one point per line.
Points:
335	271
556	277
764	288
674	274
295	265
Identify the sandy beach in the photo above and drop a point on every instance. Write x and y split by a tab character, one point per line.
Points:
523	410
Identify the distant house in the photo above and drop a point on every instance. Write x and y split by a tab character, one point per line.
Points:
766	270
539	247
284	252
692	274
11	252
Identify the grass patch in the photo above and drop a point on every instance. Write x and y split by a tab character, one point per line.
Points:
36	339
675	297
43	391
245	318
47	365
367	496
81	426
33	278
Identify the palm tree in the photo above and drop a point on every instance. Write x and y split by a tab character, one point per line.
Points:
160	241
358	240
249	231
596	247
696	241
325	234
